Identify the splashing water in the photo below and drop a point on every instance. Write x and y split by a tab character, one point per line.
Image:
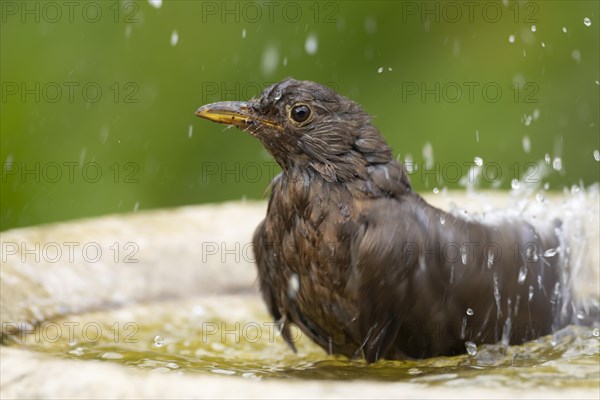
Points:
471	348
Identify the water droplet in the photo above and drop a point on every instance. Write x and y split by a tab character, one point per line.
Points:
530	293
270	59
531	252
380	70
155	3
528	119
442	220
436	190
536	114
514	184
112	356
428	155
222	371
311	45
540	198
243	33
136	206
414	371
293	286
285	61
526	144
190	131
477	136
596	332
580	315
576	55
390	69
557	163
490	259
174	38
547	159
507	329
463	254
543	44
471	348
497	296
478	161
587	21
470	311
546	186
550	252
564	29
511	39
158	341
533	28
597	155
522	274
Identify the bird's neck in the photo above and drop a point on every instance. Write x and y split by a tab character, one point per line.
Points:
385	179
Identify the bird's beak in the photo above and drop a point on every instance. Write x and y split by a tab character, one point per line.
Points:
238	113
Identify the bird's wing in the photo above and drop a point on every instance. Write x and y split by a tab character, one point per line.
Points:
267	279
383	266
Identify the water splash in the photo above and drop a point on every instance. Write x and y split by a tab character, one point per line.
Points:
506	330
587	21
497	296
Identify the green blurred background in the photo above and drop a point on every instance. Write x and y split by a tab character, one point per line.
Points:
98	98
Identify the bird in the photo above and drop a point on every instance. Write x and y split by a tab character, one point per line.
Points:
362	264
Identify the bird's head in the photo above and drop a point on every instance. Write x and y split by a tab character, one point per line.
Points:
307	125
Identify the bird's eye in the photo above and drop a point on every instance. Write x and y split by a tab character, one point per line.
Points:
300	113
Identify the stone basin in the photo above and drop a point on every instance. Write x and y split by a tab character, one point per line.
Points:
161	271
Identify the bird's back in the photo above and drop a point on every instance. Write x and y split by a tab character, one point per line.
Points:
389	276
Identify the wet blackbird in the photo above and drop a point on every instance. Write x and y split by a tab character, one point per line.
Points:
361	263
